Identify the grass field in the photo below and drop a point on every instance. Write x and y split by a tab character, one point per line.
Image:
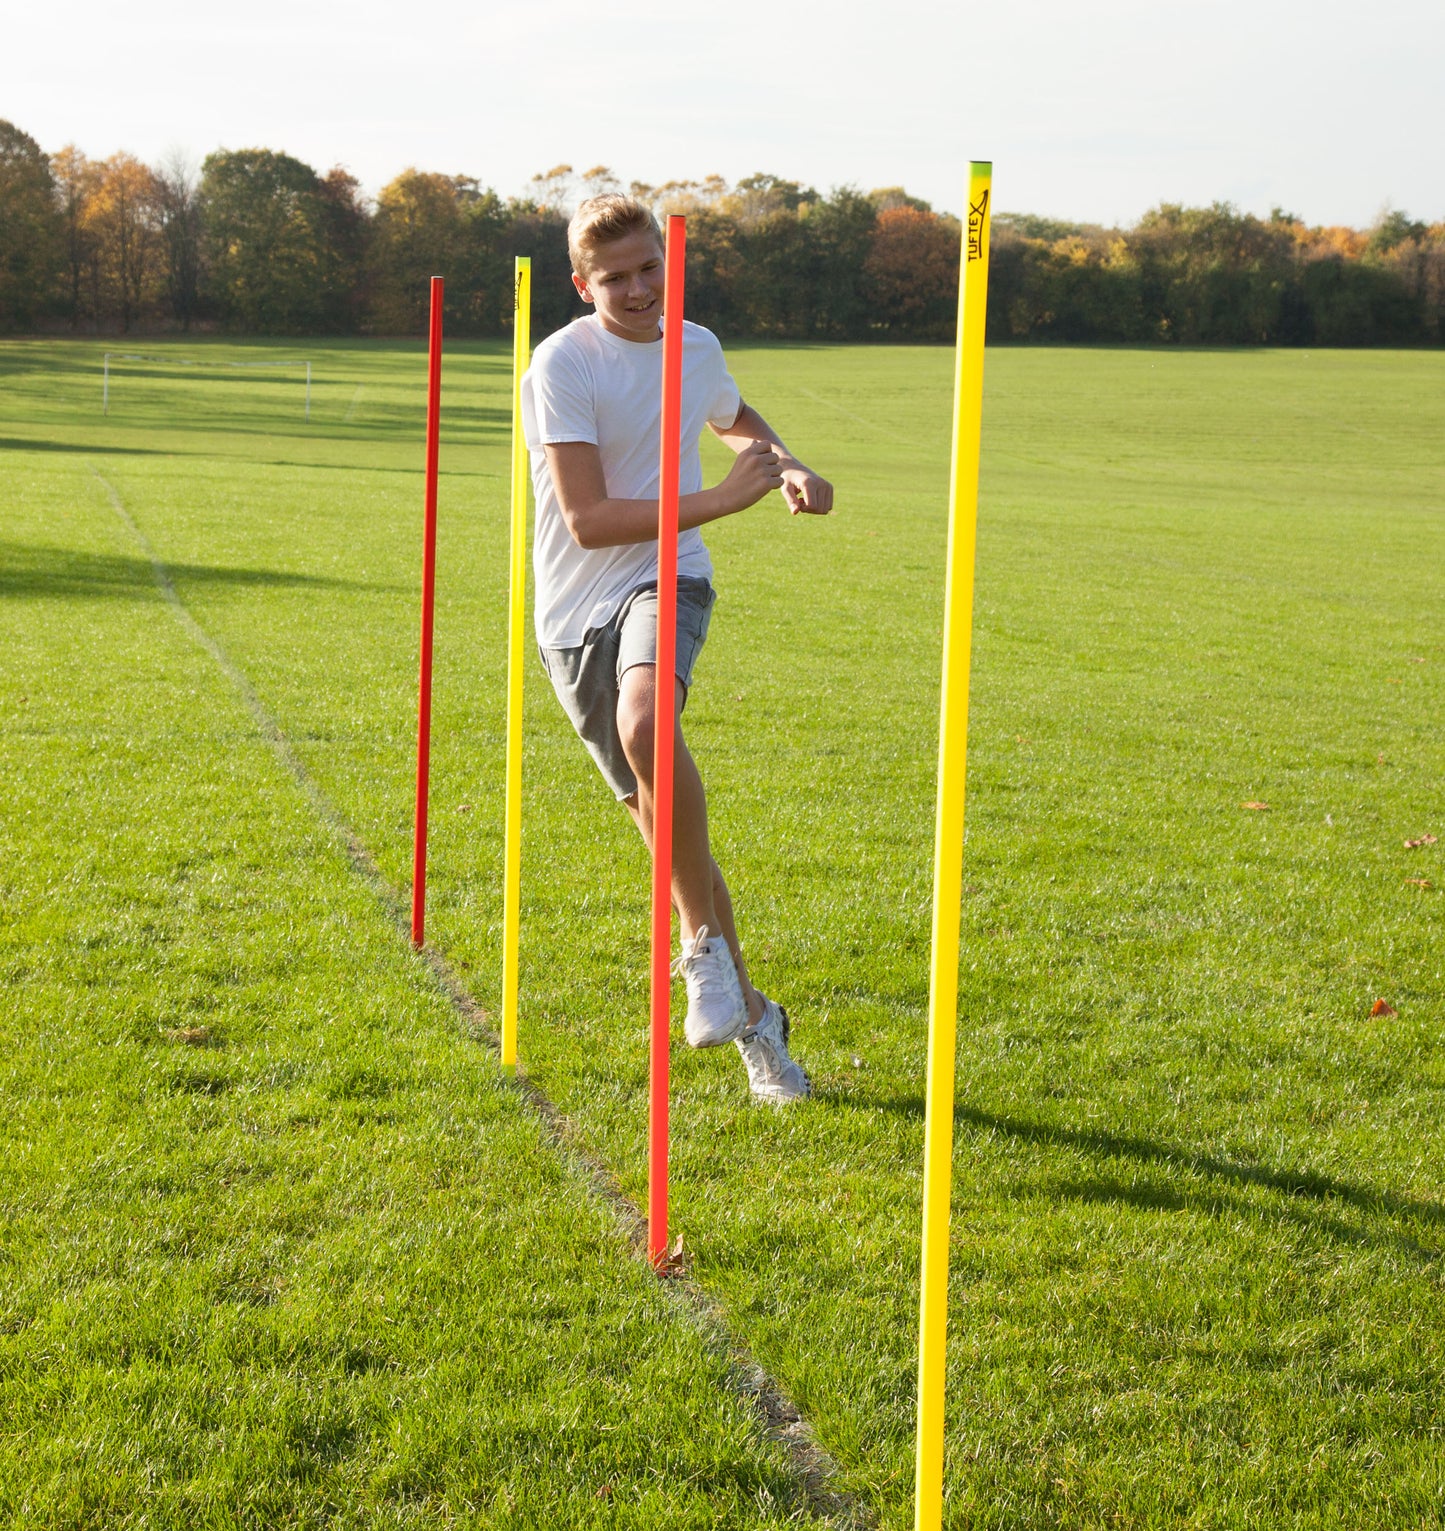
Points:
278	1244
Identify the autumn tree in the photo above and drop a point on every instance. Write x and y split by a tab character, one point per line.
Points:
75	179
886	198
599	181
912	273
1433	283
419	232
31	232
759	197
552	189
438	225
685	197
267	244
122	217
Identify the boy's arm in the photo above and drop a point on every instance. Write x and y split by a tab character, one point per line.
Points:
802	489
597	521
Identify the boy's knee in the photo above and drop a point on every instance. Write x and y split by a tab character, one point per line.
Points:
636	719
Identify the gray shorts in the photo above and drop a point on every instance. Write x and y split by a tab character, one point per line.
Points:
586	679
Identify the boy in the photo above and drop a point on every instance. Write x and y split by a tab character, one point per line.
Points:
591	406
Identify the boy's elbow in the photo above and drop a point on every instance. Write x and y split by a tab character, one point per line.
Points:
580	528
577	528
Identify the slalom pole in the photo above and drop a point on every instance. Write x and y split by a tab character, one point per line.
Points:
517	611
948	848
664	722
428	602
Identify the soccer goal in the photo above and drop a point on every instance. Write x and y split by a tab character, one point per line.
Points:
193	361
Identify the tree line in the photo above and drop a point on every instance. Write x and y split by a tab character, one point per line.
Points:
254	241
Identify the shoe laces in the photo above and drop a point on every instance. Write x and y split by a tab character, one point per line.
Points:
689	951
760	1036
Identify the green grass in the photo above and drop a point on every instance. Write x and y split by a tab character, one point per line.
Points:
326	1267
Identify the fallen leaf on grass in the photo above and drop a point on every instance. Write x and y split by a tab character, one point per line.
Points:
1391	681
464	807
605	1492
1256	807
673	1265
1420	882
1417	659
1382	1007
192	1036
1414	845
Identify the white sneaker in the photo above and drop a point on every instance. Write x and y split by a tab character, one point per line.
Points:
716	1009
772	1075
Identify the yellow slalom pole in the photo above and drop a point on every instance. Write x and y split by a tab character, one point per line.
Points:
948	848
516	625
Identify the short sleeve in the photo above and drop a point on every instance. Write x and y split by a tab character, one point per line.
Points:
560	394
726	400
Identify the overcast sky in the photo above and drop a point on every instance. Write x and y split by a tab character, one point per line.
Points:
1093	111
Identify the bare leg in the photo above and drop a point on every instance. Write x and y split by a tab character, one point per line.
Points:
699	891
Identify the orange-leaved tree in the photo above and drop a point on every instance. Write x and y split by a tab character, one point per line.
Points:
122	217
912	273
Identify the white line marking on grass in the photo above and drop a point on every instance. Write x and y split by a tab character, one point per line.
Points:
818	398
876	426
782	1421
1336	423
351	408
922	446
873	425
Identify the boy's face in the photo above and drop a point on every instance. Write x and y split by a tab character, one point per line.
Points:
624	280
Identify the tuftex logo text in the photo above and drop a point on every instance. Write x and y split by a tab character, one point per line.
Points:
977	215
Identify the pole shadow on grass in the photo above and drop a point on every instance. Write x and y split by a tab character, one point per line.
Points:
1296	1186
38	571
356	438
37	444
1303	1183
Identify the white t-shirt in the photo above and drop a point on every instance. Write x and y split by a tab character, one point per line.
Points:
587	384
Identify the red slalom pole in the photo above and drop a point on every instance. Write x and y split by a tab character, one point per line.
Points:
428	605
664	723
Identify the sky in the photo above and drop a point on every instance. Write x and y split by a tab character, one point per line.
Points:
1090	112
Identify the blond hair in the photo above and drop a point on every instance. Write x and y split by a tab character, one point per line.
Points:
600	220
